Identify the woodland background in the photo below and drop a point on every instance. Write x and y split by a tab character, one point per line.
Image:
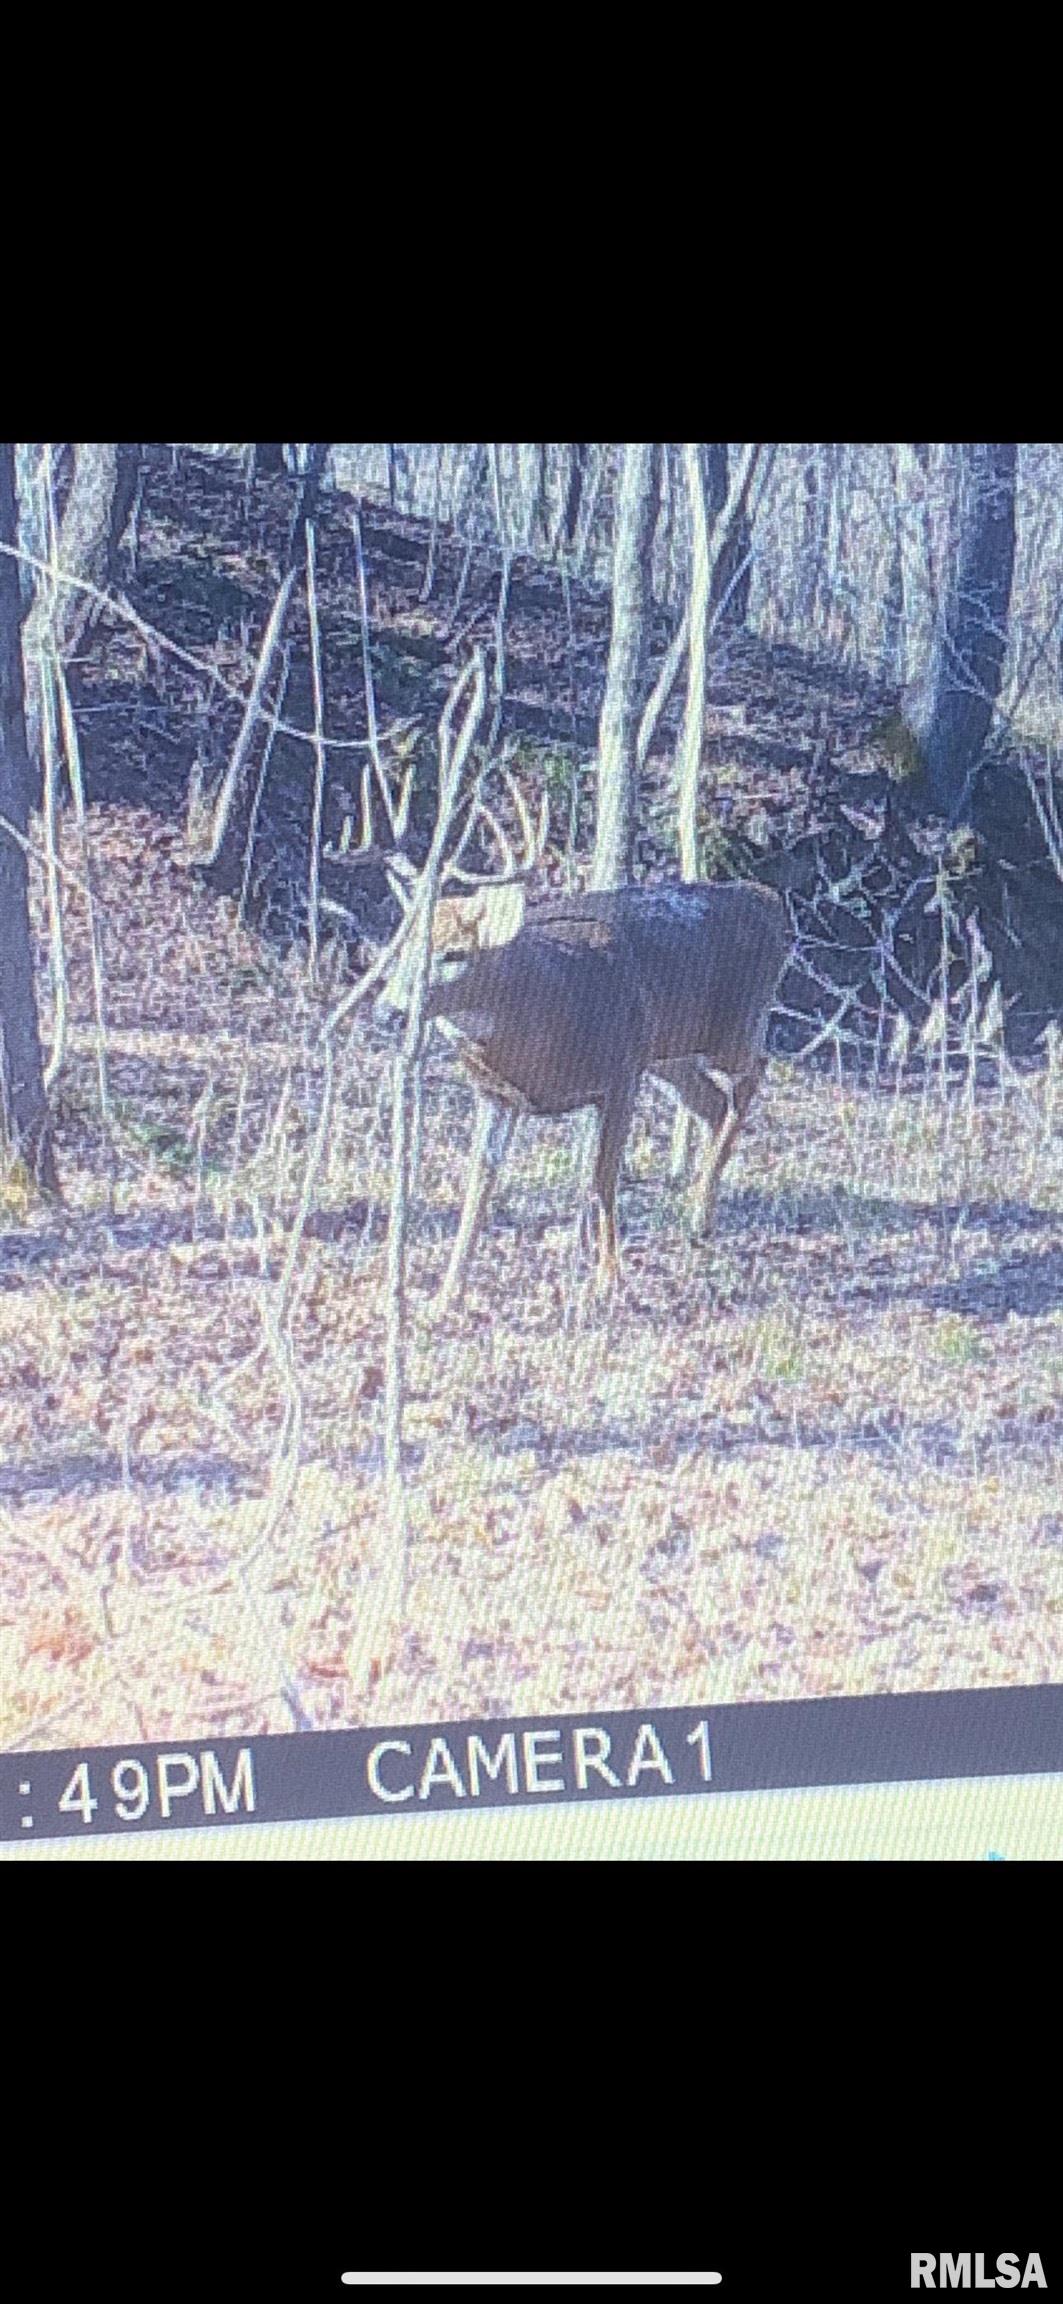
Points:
820	1455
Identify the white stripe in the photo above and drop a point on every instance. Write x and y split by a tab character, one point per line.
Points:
532	2279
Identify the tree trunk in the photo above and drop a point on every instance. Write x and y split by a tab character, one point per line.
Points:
636	516
305	510
539	509
129	479
911	605
949	707
688	755
731	575
813	543
82	550
698	468
25	1124
839	578
894	622
59	617
670	578
577	474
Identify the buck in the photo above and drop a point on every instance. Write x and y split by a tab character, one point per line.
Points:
564	1001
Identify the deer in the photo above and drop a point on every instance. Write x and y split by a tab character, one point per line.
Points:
563	1001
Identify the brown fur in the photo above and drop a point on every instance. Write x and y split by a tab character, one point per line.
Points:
592	991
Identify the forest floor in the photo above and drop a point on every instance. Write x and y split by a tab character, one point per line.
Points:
818	1455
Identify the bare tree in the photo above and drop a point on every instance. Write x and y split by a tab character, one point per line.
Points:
83	551
717	573
813	553
688	755
315	462
130	474
81	556
209	832
228	827
910	582
25	1124
731	574
636	516
720	557
567	525
949	706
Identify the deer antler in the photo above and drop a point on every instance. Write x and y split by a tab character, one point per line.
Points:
533	837
403	876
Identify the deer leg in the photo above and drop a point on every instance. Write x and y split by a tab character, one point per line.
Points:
699	1095
587	1220
682	1139
612	1137
736	1105
492	1137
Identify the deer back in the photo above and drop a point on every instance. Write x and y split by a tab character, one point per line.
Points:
709	960
708	956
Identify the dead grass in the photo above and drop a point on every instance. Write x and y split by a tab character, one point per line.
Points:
820	1456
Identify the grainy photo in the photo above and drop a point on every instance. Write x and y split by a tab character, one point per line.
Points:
531	1080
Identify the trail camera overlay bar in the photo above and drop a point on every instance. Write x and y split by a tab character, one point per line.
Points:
461	1766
